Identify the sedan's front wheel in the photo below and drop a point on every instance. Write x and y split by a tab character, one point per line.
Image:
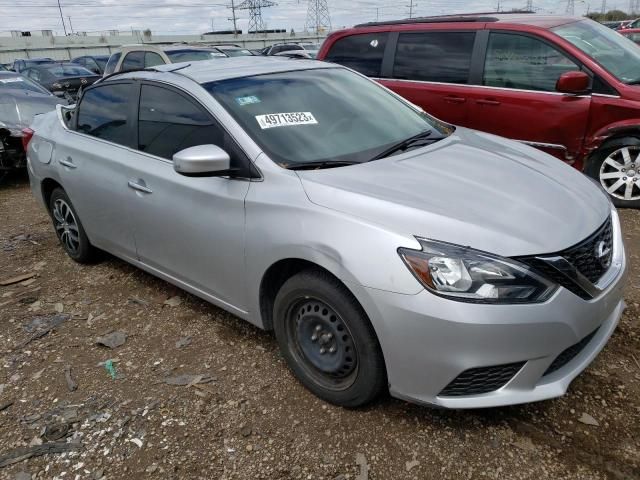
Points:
327	340
69	229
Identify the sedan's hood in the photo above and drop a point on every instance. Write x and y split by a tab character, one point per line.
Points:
470	189
18	107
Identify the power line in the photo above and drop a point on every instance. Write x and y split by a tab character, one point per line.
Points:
256	23
318	18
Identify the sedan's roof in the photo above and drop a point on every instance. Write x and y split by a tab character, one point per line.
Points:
235	67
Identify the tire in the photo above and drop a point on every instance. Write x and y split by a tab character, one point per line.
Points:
608	166
69	229
313	312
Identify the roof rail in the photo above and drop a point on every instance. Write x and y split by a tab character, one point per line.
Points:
485	17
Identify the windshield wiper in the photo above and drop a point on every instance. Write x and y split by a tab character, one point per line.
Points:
317	165
418	140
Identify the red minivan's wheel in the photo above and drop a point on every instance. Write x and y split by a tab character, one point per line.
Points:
616	165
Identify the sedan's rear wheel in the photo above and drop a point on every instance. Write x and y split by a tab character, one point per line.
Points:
69	229
617	167
327	340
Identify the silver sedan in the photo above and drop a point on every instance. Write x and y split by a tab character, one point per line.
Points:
386	249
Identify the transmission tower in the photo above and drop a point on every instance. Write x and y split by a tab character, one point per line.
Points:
603	9
256	23
529	6
318	18
571	7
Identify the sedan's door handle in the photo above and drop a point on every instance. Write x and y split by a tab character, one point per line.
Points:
487	102
67	163
453	99
138	187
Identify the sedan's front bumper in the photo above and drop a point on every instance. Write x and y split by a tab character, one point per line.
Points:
429	341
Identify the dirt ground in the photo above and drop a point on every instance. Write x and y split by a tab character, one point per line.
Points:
241	414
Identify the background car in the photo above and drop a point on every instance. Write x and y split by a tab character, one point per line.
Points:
289	47
576	82
233	50
21	100
62	79
137	57
20	64
632	34
296	54
94	63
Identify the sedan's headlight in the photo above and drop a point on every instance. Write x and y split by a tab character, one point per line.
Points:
465	274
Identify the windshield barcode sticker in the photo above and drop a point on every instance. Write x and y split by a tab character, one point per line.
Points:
286	119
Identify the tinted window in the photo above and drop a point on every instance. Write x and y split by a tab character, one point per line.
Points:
103	113
169	122
133	61
523	62
90	64
68	70
111	63
177	56
434	56
151	59
361	52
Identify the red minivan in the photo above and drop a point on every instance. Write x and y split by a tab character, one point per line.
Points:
569	86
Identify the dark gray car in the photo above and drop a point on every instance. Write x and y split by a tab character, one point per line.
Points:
20	100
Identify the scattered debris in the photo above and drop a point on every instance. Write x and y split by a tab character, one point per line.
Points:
588	420
189	380
58	307
111	369
138	301
56	431
5	405
41	326
22	476
412	464
24	453
173	301
183	342
17	279
361	461
525	443
72	385
246	431
137	441
113	339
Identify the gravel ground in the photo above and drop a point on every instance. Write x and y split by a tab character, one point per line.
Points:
240	414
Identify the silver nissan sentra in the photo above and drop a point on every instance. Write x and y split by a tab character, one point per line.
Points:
386	249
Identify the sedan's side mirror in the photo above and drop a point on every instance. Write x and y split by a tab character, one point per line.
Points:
202	161
574	83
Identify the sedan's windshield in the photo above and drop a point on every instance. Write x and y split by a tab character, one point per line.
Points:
20	83
186	55
320	115
617	54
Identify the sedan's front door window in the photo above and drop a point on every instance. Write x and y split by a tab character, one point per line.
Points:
102	113
169	122
523	62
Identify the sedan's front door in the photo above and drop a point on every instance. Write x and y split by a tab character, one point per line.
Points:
187	228
517	97
93	159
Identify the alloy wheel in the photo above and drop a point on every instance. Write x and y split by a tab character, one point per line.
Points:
323	344
66	226
620	173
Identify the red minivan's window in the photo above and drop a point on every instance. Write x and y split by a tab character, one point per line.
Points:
363	53
434	56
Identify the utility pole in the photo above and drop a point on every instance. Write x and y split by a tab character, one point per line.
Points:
604	7
571	7
70	26
377	14
318	18
233	17
411	9
62	18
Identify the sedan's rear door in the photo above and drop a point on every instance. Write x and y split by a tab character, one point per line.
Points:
93	160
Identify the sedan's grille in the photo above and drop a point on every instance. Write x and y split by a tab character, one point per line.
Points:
476	381
569	354
591	257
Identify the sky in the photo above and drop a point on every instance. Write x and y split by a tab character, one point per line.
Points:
198	16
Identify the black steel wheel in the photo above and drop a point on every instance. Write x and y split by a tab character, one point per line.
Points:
327	340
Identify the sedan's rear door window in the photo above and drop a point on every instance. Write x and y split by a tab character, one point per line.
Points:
434	56
133	61
102	113
523	62
363	53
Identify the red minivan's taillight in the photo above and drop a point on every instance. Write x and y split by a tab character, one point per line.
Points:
27	135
